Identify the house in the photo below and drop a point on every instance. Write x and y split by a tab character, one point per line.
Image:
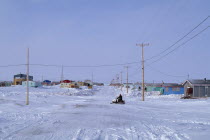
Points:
69	84
197	88
172	88
153	87
47	83
81	83
130	85
88	83
55	83
137	86
115	84
19	78
5	84
98	84
165	88
32	84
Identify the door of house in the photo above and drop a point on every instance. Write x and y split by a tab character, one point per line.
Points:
189	91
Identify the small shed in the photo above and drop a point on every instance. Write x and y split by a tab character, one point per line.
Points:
197	88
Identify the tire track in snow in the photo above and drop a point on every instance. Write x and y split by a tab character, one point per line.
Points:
87	134
163	133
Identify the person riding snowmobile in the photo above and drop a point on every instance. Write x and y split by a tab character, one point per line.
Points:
119	98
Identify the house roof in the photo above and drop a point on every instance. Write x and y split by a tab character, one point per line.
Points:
163	84
198	82
46	81
66	81
22	76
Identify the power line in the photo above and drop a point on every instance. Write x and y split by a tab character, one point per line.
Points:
46	65
178	40
13	65
180	45
166	73
86	66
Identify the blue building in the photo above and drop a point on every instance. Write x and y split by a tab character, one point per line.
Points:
47	83
172	88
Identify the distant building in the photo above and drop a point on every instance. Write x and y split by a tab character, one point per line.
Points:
130	85
116	84
32	84
69	84
197	88
55	83
98	84
81	83
5	84
47	83
88	83
19	78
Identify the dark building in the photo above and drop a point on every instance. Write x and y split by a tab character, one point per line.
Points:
197	88
19	78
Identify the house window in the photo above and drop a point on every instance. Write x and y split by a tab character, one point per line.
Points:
176	89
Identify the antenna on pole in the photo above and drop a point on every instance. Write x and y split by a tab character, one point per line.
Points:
27	87
62	73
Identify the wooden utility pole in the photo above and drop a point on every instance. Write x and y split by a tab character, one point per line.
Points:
121	79
143	87
27	86
92	77
127	78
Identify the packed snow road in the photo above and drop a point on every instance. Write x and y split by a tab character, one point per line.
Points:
56	114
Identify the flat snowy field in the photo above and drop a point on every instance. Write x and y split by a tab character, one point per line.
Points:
62	114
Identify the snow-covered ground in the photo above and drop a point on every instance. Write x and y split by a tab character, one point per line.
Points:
78	114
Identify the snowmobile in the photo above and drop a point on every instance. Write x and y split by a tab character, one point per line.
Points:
118	102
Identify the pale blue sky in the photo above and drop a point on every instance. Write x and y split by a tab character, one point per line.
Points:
97	32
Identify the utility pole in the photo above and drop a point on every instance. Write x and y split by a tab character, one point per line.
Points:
27	87
127	78
142	46
62	74
188	76
121	79
92	77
